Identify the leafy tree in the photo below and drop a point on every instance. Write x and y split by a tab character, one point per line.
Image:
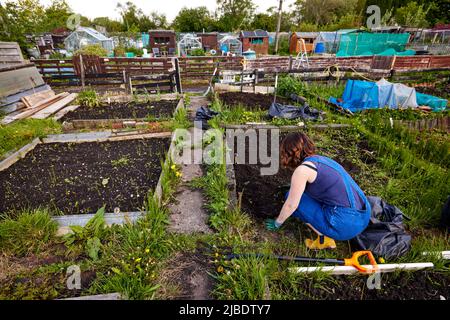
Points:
264	21
323	12
110	25
412	15
235	14
159	20
131	15
56	15
20	18
134	19
193	19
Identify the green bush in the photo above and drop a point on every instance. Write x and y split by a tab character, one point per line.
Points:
119	51
88	98
197	52
136	51
92	50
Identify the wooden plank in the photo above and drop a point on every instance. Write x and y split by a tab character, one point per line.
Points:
15	81
35	98
382	268
10	53
55	107
61	113
35	109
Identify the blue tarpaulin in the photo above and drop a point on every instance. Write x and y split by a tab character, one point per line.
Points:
358	95
361	95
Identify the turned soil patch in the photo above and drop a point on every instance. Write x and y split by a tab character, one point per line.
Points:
251	101
131	110
82	177
263	196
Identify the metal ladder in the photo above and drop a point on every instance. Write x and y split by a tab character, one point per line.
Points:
302	56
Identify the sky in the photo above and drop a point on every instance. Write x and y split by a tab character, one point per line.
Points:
101	8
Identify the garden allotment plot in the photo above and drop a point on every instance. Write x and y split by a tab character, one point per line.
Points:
162	109
250	101
80	177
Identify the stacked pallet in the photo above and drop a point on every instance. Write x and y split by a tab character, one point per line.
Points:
40	105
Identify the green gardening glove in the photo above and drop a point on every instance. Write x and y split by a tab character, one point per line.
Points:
272	225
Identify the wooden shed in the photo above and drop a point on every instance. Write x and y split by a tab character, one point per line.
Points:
163	42
257	41
295	41
209	41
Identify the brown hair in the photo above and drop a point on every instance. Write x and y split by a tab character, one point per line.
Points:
295	147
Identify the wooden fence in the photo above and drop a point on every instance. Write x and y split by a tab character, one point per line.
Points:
427	124
10	54
283	64
116	70
202	68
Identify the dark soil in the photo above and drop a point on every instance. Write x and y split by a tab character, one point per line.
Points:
131	110
189	273
251	101
263	196
82	177
420	285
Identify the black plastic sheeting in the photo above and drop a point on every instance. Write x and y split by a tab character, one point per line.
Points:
304	112
202	115
385	236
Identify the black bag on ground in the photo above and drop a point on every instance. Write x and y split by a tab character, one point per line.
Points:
385	235
202	115
293	112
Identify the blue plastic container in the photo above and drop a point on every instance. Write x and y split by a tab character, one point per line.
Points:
320	47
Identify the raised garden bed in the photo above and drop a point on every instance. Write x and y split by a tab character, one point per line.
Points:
76	177
131	110
251	101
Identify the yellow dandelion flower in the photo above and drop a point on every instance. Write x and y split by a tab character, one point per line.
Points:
220	269
138	260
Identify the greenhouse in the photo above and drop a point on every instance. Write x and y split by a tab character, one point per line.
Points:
188	44
230	44
83	36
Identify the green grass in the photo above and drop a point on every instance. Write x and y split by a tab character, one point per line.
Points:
29	232
180	120
18	134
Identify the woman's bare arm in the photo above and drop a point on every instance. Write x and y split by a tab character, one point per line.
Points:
299	178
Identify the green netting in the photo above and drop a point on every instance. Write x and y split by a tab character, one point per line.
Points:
367	44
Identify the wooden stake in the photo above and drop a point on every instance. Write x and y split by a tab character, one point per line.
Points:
82	71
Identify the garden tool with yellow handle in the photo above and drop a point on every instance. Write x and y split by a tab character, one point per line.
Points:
354	261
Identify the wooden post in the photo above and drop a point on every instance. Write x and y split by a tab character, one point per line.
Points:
290	64
255	80
178	76
242	79
277	36
82	71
